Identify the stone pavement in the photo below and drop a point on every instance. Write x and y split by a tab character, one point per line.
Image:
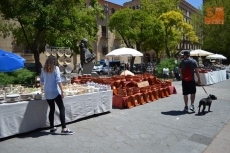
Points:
160	126
221	143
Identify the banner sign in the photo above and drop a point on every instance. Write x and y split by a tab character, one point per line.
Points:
214	15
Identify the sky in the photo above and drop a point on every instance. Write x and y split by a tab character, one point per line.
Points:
196	3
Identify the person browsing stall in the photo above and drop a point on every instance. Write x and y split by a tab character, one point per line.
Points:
51	85
187	68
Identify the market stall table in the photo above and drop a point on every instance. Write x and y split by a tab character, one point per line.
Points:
21	117
212	77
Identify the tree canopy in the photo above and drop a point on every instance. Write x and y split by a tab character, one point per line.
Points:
213	37
137	28
216	36
175	29
158	7
158	25
54	22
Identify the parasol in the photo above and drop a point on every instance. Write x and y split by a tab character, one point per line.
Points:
10	62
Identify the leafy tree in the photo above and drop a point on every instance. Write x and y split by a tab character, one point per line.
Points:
136	27
175	28
22	76
216	36
158	7
5	27
155	38
53	22
120	23
167	63
198	23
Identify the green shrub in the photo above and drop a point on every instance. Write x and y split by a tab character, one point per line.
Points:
6	78
166	63
22	76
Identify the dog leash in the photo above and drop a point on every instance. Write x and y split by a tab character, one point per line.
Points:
204	89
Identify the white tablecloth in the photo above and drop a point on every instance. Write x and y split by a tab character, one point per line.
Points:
25	116
212	77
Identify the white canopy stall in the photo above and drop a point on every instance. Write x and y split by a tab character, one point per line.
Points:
216	56
129	52
200	52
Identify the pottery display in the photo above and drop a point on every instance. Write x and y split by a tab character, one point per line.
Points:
61	60
2	99
68	52
60	52
63	78
67	60
68	76
27	96
12	98
54	52
62	69
68	69
37	96
48	52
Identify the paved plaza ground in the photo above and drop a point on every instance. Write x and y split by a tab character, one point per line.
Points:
157	127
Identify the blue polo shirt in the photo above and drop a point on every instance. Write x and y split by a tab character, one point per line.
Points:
50	81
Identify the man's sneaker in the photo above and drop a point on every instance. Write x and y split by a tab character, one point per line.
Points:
53	129
186	108
67	132
192	108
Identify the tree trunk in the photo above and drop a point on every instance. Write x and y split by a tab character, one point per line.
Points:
166	48
37	62
35	50
157	56
133	57
132	63
166	43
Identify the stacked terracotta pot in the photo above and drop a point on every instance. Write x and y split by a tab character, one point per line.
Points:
127	88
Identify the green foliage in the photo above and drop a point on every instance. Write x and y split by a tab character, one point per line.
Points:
197	22
175	29
6	78
5	27
213	37
216	36
158	7
158	25
57	23
120	23
166	63
22	76
137	28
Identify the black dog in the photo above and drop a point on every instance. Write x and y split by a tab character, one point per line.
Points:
206	102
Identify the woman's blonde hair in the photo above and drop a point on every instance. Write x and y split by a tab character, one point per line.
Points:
50	64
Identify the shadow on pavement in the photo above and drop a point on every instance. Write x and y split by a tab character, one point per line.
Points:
202	114
174	113
37	134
